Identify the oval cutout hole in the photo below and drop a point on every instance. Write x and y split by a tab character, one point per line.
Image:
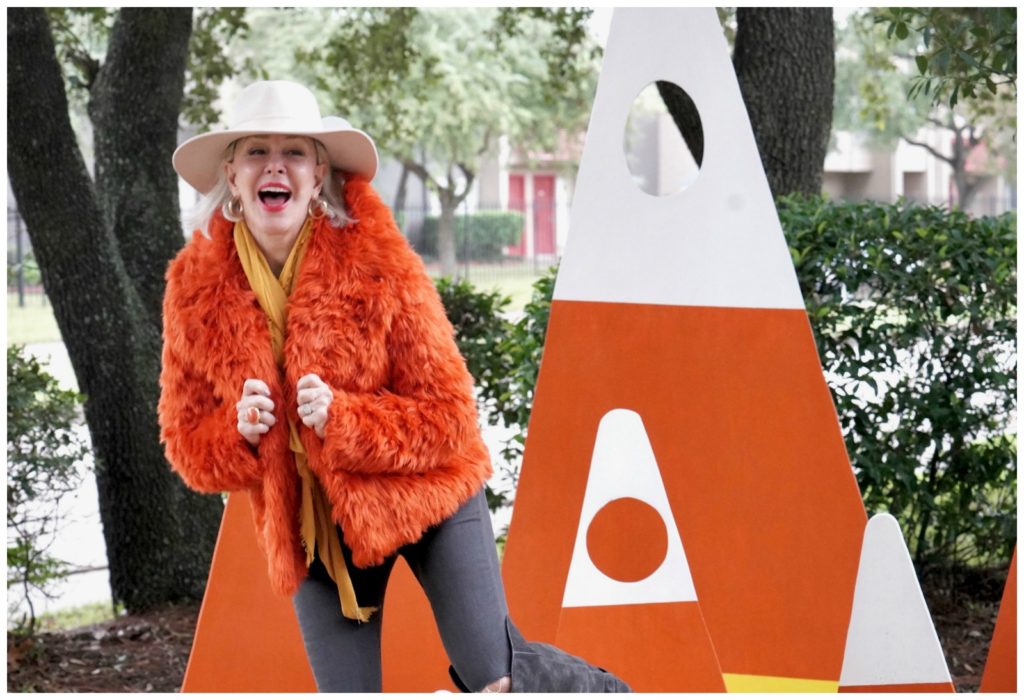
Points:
660	160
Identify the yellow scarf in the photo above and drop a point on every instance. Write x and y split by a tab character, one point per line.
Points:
316	525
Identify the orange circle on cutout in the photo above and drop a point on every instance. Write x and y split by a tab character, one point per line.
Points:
627	540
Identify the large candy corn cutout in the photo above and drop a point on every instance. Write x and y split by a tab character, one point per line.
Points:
247	638
1001	668
628	574
686	310
891	645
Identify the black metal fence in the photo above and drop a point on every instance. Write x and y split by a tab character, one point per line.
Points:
23	278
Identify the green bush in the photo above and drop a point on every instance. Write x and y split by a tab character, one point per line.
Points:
913	310
480	327
479	236
503	357
44	460
509	392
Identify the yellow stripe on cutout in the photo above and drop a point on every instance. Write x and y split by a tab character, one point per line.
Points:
743	683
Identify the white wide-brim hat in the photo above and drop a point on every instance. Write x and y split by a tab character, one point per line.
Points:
275	107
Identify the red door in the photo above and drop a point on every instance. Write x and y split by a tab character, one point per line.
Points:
517	202
543	214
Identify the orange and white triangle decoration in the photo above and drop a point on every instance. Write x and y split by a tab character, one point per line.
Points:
1001	667
629	603
247	638
686	309
891	645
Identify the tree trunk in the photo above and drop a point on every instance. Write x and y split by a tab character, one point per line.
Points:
967	190
401	215
400	191
684	113
446	236
136	186
785	62
966	183
159	535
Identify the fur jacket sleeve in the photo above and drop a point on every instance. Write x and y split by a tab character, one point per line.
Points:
194	433
425	414
402	448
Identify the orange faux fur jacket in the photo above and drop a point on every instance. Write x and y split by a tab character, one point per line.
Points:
402	449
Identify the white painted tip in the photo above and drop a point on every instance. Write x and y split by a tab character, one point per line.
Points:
716	243
624	466
891	638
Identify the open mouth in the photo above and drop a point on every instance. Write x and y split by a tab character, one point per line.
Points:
274	196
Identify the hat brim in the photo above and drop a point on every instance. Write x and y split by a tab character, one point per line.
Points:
199	159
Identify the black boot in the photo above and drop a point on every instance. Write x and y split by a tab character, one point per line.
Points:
543	668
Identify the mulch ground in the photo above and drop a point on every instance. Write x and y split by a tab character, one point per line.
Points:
148	653
132	654
964	606
965	634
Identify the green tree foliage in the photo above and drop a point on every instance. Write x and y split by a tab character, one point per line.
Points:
44	464
872	74
81	35
452	81
913	310
209	63
874	71
963	52
437	88
568	49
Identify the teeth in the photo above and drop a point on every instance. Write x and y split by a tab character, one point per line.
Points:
275	190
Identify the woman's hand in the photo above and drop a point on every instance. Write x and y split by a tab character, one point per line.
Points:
254	411
314	396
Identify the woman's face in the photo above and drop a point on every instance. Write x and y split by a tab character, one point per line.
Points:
275	176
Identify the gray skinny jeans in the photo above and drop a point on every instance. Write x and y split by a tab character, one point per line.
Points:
456	564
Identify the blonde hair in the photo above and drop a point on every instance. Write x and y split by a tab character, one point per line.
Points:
332	190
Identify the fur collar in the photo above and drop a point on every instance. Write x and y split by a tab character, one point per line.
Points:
337	307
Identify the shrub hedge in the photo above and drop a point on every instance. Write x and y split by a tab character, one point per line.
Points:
914	314
479	236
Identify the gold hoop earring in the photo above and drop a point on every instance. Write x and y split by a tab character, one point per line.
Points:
321	209
232	209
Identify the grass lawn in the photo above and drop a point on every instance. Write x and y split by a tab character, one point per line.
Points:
32	323
519	289
69	618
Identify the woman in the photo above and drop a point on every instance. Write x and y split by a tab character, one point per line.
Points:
308	360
